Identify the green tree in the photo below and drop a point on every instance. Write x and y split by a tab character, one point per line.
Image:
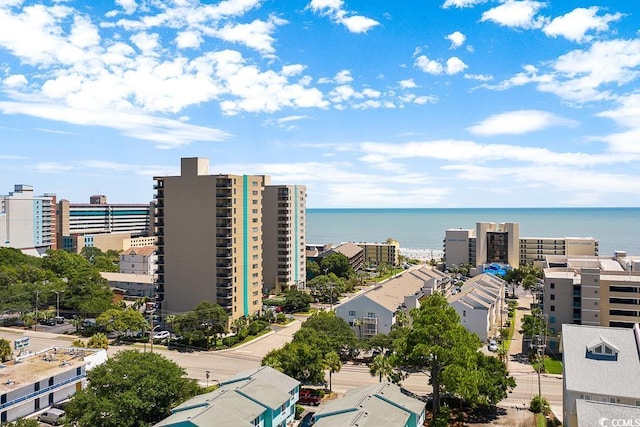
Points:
333	363
98	340
337	264
297	301
300	360
437	342
122	321
313	269
206	320
5	350
78	343
333	332
327	288
381	366
131	389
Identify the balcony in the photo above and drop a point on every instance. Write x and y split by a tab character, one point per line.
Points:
224	285
224	245
224	275
224	235
225	254
224	183
224	265
224	295
223	224
224	194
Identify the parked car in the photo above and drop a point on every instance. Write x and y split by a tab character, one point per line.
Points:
161	335
309	396
48	322
59	319
52	416
308	420
493	345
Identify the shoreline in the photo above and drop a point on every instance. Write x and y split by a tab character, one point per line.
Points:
422	254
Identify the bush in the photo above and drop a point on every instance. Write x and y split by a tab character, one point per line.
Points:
257	326
230	341
299	411
539	405
281	318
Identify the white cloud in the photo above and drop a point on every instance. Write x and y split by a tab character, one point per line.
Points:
291	119
575	24
517	14
188	40
584	75
518	123
129	6
15	81
343	77
626	115
256	35
407	84
165	133
147	43
334	10
455	65
52	167
479	77
428	66
457	39
461	3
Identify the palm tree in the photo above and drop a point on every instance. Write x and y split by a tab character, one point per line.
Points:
98	340
358	324
333	363
5	350
380	366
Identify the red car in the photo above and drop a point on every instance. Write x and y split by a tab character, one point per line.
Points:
309	397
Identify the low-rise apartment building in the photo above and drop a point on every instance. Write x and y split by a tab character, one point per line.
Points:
374	311
586	290
381	404
381	253
479	303
131	285
260	397
34	381
601	366
139	260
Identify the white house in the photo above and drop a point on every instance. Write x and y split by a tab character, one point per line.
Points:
373	312
601	368
478	303
36	381
139	260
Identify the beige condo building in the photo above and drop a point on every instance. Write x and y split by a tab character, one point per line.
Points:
501	243
284	237
592	291
381	253
209	231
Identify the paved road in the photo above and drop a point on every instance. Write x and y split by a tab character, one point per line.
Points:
524	374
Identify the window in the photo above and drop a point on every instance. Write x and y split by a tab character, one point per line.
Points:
552	285
372	315
552	308
352	313
552	319
464	313
552	297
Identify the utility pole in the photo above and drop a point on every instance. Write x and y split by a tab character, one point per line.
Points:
58	302
540	338
35	323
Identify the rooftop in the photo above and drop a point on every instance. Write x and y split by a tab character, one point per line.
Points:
35	366
601	375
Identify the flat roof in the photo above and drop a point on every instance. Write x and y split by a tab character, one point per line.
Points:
36	366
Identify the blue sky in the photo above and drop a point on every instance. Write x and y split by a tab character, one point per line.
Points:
449	103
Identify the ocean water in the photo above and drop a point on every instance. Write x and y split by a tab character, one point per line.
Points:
614	228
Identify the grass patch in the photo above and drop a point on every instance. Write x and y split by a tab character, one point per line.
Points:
551	366
541	420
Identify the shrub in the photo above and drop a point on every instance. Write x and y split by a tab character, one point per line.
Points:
299	411
539	405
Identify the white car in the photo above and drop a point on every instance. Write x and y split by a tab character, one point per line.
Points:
160	335
493	346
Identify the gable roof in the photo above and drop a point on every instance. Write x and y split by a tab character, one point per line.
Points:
601	376
142	251
381	404
347	249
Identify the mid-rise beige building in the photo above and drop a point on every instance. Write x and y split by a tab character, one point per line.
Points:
381	253
501	243
589	290
284	237
27	221
209	230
